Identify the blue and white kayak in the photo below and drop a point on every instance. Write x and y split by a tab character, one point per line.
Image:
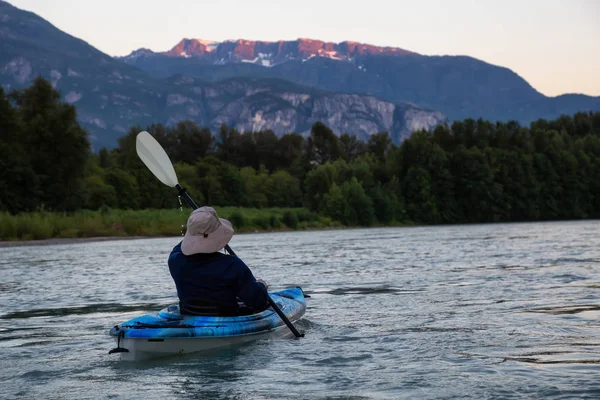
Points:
167	332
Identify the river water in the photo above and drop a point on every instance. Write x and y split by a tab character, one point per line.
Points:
466	311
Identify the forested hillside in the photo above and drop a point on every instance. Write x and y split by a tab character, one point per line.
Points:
471	171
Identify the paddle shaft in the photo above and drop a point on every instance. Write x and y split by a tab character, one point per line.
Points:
183	193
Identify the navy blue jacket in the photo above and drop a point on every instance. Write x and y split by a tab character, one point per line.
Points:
216	278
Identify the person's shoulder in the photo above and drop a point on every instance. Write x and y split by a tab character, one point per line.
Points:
234	261
176	253
177	248
228	257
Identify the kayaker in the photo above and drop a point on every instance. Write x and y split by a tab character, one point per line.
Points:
210	282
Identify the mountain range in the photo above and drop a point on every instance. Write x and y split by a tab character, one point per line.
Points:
284	86
458	86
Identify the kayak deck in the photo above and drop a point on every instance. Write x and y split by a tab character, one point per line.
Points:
168	332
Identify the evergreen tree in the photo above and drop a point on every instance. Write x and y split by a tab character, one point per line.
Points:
379	144
323	144
19	183
351	147
420	203
57	146
283	190
358	208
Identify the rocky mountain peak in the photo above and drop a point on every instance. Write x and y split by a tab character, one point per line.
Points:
191	48
141	52
271	53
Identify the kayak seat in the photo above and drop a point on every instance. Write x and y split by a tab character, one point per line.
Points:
205	308
244	309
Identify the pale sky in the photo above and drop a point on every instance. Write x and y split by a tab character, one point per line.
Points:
553	44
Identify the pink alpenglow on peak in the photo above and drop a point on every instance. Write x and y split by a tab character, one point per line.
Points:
271	53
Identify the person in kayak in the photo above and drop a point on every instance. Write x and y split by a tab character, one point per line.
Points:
210	282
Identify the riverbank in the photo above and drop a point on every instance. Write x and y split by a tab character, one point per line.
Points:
51	242
59	241
48	228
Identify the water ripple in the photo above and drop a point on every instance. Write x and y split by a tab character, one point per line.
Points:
572	309
89	309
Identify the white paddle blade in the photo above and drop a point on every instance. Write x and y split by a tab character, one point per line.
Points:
155	158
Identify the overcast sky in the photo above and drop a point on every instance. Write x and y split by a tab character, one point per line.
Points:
553	44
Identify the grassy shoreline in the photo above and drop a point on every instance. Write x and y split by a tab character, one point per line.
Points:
85	224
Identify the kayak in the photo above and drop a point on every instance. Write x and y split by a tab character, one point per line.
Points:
167	332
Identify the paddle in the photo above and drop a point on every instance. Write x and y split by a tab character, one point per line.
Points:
156	159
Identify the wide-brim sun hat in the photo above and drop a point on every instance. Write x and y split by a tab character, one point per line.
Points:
206	232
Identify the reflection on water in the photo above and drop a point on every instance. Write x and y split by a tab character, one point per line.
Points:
473	311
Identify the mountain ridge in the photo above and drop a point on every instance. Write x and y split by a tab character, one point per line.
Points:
191	47
459	86
267	53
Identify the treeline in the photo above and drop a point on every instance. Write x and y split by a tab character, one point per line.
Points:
471	171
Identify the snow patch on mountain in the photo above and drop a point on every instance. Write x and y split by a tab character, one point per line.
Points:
19	68
175	99
55	76
73	97
211	45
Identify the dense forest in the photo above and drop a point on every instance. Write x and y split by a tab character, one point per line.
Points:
470	171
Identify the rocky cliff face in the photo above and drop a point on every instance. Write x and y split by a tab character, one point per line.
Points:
258	104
